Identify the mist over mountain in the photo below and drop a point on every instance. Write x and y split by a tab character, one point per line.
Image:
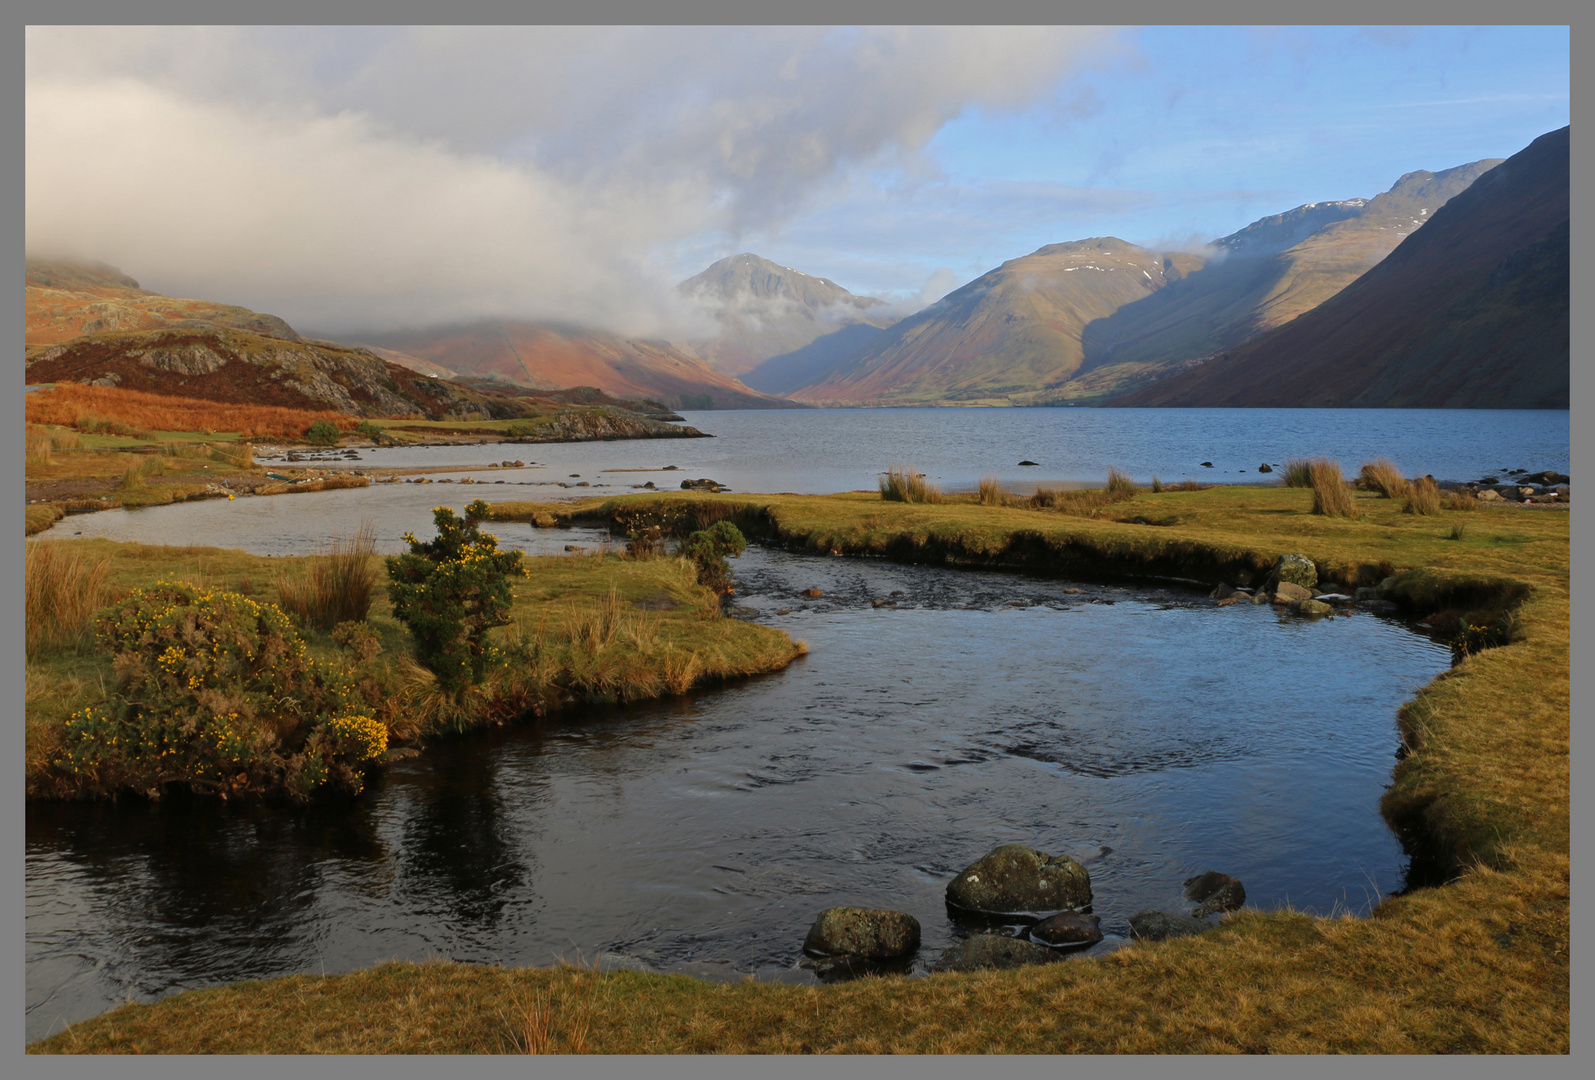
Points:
1470	311
765	310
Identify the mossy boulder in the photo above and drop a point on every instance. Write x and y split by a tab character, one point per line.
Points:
1214	892
1068	929
870	933
984	952
1296	568
1014	880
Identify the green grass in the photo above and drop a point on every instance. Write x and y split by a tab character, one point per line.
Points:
1479	965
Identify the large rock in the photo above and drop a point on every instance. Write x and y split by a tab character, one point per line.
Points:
1014	879
1157	925
1214	891
864	932
1311	607
987	951
1297	569
1068	929
1288	592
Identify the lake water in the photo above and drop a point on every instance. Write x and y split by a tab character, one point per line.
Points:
703	834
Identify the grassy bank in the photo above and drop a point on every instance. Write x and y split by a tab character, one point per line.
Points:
1480	964
593	628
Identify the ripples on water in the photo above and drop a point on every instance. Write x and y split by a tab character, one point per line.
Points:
702	834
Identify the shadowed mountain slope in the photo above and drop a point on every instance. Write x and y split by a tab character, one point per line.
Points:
1471	311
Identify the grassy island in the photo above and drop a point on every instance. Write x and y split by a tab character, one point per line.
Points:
1479	964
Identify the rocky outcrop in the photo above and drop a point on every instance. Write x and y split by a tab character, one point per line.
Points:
868	933
1014	879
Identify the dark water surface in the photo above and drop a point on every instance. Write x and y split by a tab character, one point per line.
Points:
703	834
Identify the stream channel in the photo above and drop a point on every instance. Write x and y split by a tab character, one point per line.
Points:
1133	725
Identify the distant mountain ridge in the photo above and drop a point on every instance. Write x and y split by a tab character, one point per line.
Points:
1048	328
766	310
1470	311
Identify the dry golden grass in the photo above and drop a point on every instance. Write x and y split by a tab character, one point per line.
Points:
1381	475
902	483
1119	483
64	590
1480	965
1331	496
991	493
337	585
110	408
1423	497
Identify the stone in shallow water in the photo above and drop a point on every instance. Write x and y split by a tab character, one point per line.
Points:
987	951
871	933
1015	879
1214	892
1068	929
1295	568
1157	925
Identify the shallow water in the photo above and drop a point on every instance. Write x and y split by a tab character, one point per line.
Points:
703	834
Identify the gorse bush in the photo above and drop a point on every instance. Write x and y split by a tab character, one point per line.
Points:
64	591
709	548
322	433
1423	497
903	484
1381	475
338	586
215	691
450	591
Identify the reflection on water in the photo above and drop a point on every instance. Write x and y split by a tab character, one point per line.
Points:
703	834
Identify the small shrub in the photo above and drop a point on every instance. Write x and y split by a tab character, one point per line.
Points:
322	433
708	548
645	542
1381	475
1331	496
991	492
63	591
338	585
1423	497
1119	483
1157	485
450	591
369	429
903	484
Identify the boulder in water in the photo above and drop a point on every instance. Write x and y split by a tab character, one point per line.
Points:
1068	929
984	952
1014	879
870	933
1158	925
1214	892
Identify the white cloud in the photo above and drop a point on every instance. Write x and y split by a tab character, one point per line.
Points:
346	178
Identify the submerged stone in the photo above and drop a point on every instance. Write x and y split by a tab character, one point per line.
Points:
1214	892
870	933
1068	929
1014	879
1158	925
985	952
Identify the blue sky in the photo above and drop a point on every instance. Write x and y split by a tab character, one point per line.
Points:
369	177
1186	135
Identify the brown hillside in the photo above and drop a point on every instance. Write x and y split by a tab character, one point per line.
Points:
1470	311
541	355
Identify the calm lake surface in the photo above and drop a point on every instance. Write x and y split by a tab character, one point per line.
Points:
703	834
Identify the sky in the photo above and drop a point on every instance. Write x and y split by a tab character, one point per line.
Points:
385	178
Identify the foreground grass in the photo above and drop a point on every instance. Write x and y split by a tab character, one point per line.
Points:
599	628
1477	965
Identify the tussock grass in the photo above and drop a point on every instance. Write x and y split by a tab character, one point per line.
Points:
1298	472
338	585
1423	497
901	483
991	492
1381	475
1087	503
1460	500
1331	496
64	590
1119	483
41	516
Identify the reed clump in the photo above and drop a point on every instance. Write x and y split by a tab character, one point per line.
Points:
1331	495
1460	500
1298	472
1423	497
991	493
1382	476
64	590
902	483
338	586
1086	503
1119	482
